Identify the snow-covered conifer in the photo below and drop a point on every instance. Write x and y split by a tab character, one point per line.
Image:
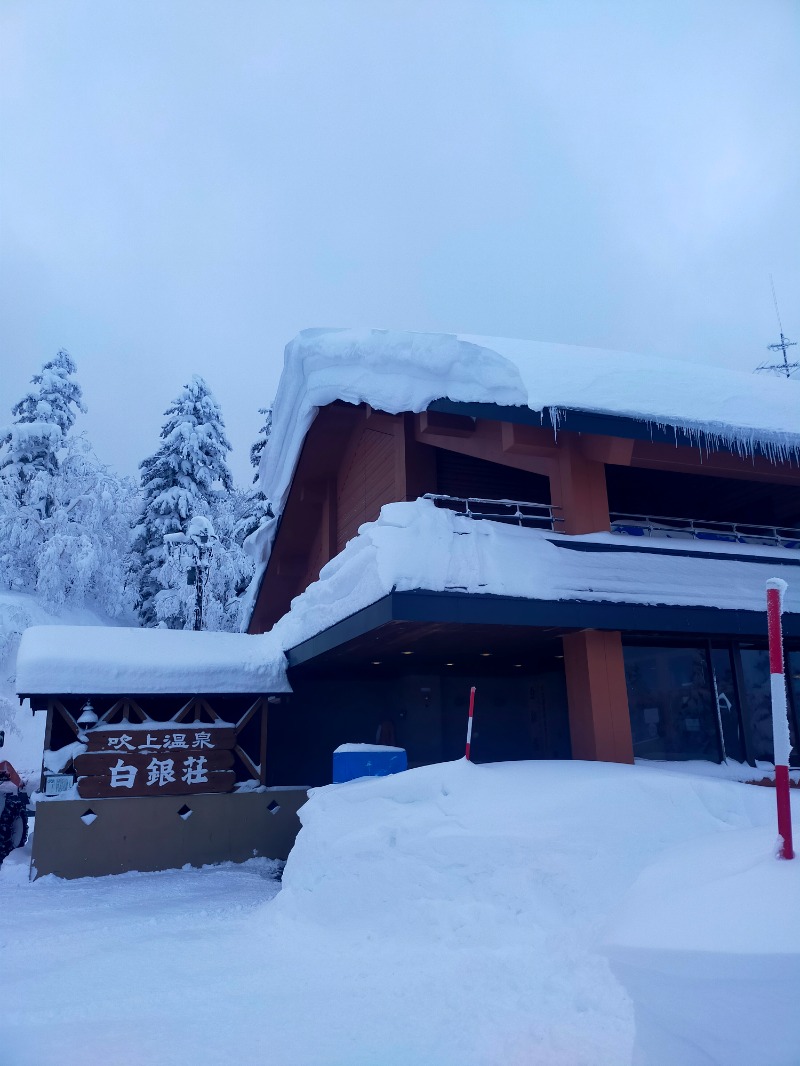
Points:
42	420
254	507
262	440
75	550
188	475
64	517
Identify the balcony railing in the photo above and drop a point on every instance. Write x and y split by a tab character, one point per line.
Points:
546	516
512	512
698	529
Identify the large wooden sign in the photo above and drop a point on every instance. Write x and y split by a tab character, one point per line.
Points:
144	760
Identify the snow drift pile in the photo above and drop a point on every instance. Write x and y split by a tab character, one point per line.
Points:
473	902
453	915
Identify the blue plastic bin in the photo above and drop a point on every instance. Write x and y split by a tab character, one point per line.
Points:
367	760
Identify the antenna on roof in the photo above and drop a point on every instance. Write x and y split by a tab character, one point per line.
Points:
786	368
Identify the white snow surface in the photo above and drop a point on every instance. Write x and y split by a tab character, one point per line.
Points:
357	749
707	941
452	915
398	371
139	661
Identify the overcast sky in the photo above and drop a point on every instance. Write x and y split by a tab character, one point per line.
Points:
186	185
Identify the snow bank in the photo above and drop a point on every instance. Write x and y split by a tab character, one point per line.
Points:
707	942
138	661
452	915
396	371
466	555
487	891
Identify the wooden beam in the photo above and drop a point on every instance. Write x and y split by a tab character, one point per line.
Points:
486	442
434	424
617	451
250	766
527	440
651	456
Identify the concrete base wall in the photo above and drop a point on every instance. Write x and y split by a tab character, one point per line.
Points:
148	833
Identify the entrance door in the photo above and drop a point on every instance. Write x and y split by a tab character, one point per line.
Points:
515	718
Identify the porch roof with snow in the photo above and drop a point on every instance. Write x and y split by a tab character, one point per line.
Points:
100	660
491	573
470	571
547	384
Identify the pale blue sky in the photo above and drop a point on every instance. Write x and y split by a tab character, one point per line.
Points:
185	185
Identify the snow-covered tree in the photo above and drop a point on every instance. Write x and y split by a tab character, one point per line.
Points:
254	507
262	440
75	549
84	556
64	525
42	420
188	476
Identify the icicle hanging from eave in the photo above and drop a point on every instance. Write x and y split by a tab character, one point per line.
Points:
746	443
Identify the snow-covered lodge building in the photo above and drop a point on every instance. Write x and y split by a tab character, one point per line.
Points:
584	536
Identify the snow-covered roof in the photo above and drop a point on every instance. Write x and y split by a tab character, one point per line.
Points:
117	660
484	557
396	371
460	555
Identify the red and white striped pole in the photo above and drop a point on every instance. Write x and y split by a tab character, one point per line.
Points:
780	720
469	721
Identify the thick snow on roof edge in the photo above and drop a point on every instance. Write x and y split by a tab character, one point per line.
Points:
128	661
484	557
397	371
460	555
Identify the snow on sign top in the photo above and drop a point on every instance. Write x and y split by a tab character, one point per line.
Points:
395	371
98	660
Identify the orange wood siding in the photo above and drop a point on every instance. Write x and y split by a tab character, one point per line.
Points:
367	482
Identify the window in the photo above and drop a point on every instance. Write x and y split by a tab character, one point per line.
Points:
727	698
670	695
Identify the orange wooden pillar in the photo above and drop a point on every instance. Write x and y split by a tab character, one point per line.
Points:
578	487
599	722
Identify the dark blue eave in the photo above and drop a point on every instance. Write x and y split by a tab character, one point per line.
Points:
601	424
485	609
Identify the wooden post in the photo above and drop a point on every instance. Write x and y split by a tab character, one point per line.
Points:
599	721
578	487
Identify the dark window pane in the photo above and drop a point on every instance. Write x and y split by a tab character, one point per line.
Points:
728	703
671	704
793	666
758	701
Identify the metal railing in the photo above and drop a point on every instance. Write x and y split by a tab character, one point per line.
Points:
513	512
634	525
544	516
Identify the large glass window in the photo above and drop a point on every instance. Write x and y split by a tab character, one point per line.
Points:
758	701
727	703
670	695
793	666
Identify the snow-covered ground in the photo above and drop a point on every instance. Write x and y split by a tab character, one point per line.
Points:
453	915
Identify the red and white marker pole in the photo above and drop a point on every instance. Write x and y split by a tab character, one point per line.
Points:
469	721
780	720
